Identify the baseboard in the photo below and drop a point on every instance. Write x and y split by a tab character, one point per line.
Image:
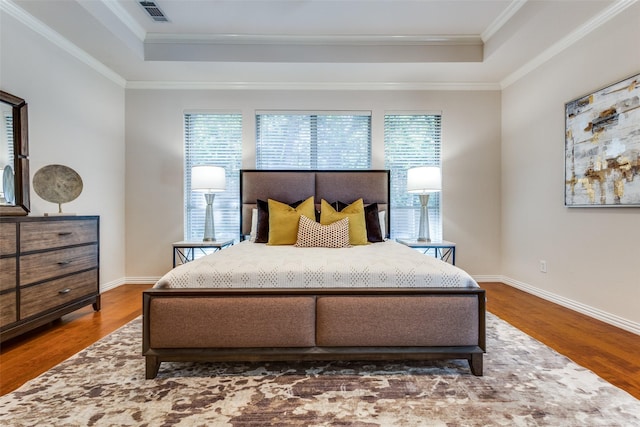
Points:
603	316
128	280
142	280
112	285
488	278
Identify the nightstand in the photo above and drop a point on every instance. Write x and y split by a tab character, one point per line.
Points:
440	248
186	251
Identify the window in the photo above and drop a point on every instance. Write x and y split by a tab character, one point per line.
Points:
213	139
411	140
303	140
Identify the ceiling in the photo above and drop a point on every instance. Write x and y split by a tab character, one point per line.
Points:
342	44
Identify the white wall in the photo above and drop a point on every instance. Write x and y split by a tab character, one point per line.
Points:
592	253
502	203
76	119
154	154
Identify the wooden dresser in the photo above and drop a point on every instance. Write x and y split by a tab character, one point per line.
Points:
49	266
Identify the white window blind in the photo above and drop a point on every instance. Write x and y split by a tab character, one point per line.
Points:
411	140
6	152
216	140
303	140
6	127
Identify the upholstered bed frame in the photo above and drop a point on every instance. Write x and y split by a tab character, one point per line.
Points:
291	186
313	323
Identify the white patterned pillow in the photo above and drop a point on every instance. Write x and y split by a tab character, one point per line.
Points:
312	234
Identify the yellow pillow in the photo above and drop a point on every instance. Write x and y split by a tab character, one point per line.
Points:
355	213
284	220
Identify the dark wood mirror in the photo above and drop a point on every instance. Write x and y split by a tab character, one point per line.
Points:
14	156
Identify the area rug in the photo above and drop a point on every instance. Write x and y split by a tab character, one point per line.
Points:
525	384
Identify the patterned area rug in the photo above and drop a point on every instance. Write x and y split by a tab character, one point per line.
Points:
525	384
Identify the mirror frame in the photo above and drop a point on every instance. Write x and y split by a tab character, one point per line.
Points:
21	156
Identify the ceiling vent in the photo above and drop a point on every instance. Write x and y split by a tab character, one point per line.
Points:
154	11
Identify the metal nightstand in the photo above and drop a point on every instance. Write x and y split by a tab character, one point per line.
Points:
186	251
441	248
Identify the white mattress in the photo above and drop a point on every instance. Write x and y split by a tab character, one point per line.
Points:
257	265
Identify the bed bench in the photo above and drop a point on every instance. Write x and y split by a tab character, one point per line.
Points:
313	324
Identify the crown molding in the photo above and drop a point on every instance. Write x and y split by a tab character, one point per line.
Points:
126	19
568	41
502	19
334	40
39	27
34	24
341	86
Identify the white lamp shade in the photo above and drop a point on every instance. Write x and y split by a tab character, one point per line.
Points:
424	179
208	179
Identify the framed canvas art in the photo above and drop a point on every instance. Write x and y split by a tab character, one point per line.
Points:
602	147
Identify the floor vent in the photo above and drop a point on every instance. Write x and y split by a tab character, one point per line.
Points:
154	11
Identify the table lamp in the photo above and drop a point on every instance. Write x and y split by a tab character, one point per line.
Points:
424	180
208	180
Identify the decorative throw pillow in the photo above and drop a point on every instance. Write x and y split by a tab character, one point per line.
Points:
284	220
254	225
314	235
262	226
355	213
371	219
382	223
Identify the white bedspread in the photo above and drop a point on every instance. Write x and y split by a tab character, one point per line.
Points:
256	265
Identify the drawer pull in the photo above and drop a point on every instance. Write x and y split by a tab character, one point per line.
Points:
64	262
65	233
64	291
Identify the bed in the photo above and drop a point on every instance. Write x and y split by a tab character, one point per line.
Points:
277	301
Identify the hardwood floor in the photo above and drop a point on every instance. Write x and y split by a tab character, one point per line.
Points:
610	352
27	356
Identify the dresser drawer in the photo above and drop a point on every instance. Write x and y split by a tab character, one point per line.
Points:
55	234
8	239
48	265
39	298
7	273
7	308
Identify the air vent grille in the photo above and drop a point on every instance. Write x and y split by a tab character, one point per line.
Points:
154	11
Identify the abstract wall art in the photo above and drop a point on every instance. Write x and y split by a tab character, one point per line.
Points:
602	147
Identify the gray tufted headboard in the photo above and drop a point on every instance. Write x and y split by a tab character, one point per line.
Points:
288	186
